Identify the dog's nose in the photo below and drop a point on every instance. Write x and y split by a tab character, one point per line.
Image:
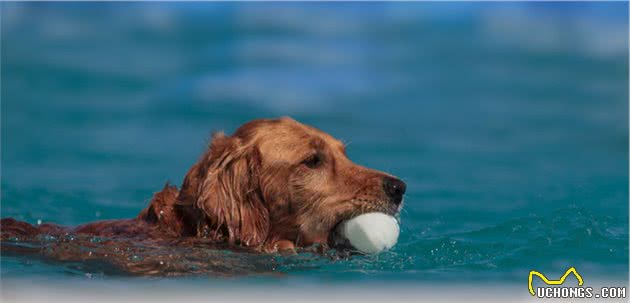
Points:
394	188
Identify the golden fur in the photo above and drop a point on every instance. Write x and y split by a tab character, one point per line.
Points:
274	184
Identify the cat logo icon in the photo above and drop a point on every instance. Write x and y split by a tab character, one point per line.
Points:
553	282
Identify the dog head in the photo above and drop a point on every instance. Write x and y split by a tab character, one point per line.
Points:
278	179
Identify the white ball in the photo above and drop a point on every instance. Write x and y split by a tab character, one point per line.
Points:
371	233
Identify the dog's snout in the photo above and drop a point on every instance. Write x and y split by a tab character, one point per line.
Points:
394	188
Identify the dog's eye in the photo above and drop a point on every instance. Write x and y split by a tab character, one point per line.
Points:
313	161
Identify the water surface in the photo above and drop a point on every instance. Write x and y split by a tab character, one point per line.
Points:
509	123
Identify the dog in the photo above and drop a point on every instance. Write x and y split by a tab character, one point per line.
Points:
274	185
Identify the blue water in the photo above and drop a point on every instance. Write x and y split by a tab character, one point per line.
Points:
508	122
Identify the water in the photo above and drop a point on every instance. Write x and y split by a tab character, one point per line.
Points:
509	123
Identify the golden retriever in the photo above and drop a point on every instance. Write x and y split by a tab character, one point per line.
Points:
275	184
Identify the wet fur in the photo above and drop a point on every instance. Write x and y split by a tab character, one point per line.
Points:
251	190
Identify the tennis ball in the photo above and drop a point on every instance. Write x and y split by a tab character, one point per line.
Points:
371	233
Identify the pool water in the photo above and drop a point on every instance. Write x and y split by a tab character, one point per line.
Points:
507	121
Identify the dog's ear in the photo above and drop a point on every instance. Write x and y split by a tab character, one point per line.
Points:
220	196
